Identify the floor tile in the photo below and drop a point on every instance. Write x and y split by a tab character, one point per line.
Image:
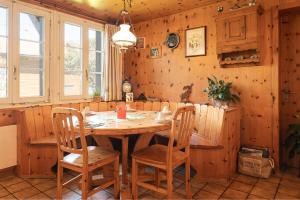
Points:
8	197
100	195
251	196
246	179
146	196
272	179
39	196
28	192
18	187
181	190
198	184
71	196
291	191
234	194
264	192
46	185
35	181
243	187
205	195
10	181
214	188
282	196
3	192
52	192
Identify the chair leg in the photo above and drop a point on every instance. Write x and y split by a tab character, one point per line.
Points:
188	178
84	185
134	176
59	181
116	178
157	178
169	183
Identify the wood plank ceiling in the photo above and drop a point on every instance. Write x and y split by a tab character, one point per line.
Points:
108	10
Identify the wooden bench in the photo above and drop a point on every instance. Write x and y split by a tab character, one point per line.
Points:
38	151
215	142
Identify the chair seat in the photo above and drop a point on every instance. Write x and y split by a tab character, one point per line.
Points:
198	142
95	154
157	155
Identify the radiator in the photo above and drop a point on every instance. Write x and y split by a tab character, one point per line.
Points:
8	146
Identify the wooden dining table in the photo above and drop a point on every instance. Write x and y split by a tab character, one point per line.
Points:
105	125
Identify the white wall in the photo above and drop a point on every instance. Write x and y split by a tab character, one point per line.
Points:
8	146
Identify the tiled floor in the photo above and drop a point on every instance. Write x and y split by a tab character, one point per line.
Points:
283	186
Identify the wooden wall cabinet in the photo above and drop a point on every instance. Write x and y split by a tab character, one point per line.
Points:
238	33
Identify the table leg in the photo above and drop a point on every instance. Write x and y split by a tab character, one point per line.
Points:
125	160
143	141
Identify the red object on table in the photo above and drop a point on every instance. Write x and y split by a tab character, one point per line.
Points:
121	111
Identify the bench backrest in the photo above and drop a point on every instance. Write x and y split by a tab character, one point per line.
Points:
209	123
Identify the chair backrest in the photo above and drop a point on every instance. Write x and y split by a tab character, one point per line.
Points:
181	130
209	121
65	129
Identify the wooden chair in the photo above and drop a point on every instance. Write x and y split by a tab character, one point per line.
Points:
167	158
84	159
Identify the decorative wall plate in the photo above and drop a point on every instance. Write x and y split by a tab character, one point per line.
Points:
173	40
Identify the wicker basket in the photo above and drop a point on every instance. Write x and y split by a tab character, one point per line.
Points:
255	166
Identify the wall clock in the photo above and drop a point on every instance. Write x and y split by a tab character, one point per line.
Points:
172	40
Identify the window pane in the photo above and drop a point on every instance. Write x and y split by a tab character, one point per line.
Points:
31	27
3	53
3	21
95	61
30	48
72	36
95	40
94	82
73	72
32	76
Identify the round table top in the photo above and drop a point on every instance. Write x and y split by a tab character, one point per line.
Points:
137	122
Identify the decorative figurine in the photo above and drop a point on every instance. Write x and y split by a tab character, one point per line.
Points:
187	91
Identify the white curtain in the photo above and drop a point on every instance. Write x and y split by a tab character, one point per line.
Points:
113	68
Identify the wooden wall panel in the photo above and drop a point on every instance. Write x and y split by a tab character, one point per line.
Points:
165	77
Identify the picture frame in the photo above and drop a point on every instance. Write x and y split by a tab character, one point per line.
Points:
155	52
129	97
140	42
195	41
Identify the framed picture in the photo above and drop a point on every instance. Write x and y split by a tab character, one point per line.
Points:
140	43
195	42
129	97
155	52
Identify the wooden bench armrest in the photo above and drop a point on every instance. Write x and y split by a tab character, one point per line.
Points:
198	142
50	140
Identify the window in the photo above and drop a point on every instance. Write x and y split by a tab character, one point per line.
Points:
82	58
3	52
42	51
95	61
72	60
31	60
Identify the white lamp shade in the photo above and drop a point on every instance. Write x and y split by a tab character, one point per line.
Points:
124	38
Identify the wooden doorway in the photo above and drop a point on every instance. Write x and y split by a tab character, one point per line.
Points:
289	76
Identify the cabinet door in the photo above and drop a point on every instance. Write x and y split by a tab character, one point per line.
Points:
235	28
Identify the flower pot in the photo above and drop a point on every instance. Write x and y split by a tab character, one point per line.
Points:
220	104
97	99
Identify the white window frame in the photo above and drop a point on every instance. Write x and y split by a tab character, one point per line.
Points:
85	26
17	9
8	5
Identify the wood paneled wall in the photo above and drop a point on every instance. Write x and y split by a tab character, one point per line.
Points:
165	77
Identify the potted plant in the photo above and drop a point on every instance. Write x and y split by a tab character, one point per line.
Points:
96	96
220	92
292	142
